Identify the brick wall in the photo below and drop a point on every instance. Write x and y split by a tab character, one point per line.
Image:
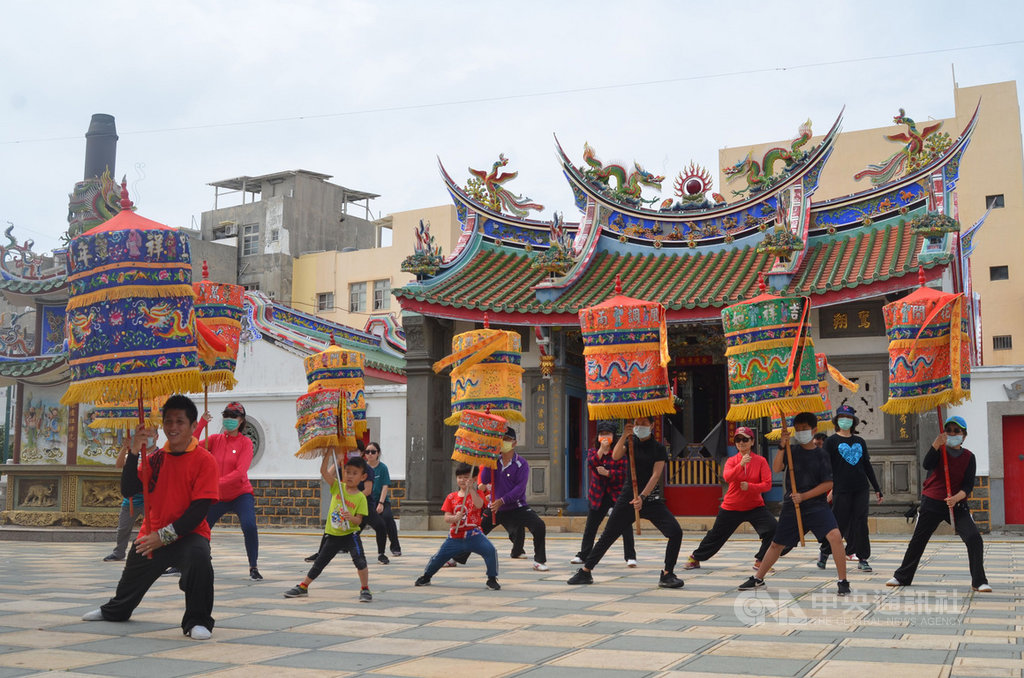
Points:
979	504
296	503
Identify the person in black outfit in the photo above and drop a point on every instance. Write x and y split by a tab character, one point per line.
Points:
851	473
936	503
651	457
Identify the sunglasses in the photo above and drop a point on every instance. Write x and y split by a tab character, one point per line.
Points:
741	439
371	451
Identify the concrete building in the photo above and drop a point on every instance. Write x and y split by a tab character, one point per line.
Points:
282	216
348	287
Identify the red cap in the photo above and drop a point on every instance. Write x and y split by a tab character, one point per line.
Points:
744	431
234	408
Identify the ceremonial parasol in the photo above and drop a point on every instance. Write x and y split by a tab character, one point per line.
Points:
219	308
124	416
478	443
929	356
343	369
824	413
487	375
625	346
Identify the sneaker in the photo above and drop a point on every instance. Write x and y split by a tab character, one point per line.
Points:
864	566
365	596
396	554
451	563
844	588
171	571
423	580
894	582
668	580
540	567
312	558
198	632
383	559
581	577
822	562
984	588
851	557
751	584
631	562
296	592
493	584
255	575
517	554
692	564
112	557
576	560
93	615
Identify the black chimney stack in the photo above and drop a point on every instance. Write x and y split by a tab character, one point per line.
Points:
100	146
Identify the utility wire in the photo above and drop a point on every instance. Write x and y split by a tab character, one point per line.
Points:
532	95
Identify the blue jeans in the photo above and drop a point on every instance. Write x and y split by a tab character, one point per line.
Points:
243	506
477	543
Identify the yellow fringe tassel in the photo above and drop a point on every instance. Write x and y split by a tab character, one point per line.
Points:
124	423
317	447
474	461
127	291
767	408
647	408
128	388
219	381
510	415
825	426
919	404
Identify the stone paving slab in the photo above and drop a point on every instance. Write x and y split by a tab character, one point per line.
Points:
536	626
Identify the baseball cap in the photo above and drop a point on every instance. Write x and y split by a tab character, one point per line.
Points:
234	408
510	433
744	431
958	420
845	410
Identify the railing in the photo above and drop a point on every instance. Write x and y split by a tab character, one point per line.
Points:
693	471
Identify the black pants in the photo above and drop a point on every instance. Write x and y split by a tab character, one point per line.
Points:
594	518
191	555
851	512
383	524
927	522
333	545
726	522
621	520
514	521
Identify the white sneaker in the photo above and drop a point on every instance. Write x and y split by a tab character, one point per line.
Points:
984	588
894	582
631	563
576	560
200	633
540	567
93	615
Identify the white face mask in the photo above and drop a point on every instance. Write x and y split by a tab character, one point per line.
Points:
954	441
803	437
642	432
845	423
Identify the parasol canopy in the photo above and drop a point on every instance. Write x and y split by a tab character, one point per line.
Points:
324	423
219	307
478	438
487	374
626	351
929	354
343	369
124	416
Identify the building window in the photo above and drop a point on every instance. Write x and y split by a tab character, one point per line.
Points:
252	287
381	295
1002	343
325	301
250	239
357	297
998	272
994	201
275	234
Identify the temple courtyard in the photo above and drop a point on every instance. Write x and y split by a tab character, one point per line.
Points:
535	626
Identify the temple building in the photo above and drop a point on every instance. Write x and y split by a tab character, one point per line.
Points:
850	245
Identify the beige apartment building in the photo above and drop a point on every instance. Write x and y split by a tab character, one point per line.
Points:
992	174
349	287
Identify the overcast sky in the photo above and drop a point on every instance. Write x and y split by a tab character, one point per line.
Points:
373	92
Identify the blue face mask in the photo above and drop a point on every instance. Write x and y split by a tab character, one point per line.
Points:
231	425
845	423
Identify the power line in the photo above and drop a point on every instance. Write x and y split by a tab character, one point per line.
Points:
532	95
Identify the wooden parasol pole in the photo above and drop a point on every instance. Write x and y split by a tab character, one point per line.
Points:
632	475
142	467
792	486
945	468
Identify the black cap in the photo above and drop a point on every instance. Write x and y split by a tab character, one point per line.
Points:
510	433
607	427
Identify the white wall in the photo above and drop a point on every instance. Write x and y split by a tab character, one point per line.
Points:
986	387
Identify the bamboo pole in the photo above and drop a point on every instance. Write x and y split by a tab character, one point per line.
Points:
632	475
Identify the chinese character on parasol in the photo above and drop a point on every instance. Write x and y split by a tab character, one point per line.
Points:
824	413
929	356
625	346
487	375
340	368
478	438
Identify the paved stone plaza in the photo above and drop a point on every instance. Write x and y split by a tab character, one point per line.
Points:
535	626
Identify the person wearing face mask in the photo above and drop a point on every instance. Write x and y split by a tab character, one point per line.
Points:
812	473
748	476
508	499
851	473
650	457
936	503
607	476
233	451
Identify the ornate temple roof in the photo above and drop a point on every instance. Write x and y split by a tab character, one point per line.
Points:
41	370
694	258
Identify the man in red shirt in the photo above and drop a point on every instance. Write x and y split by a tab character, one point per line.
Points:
749	477
182	481
462	511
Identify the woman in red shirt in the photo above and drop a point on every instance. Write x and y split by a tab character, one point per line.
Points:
233	452
749	476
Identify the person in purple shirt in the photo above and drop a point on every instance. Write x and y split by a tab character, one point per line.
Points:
509	508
